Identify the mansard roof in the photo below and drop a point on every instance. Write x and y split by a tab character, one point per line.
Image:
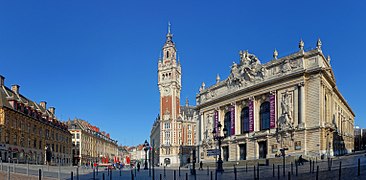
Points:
10	99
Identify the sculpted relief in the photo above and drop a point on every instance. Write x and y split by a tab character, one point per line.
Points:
248	71
285	121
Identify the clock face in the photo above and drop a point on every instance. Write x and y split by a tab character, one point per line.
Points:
166	90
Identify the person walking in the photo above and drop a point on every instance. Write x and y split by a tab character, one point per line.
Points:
201	164
301	160
138	166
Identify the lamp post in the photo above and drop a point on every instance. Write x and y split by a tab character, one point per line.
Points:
146	148
219	138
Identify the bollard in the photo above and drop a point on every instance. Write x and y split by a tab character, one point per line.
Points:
235	175
292	169
59	172
317	172
289	176
313	166
278	171
160	177
215	175
175	177
135	172
13	167
254	175
132	174
120	172
108	171
310	166
8	173
186	176
164	172
208	170
27	169
340	170
103	177
39	174
72	175
296	164
77	173
246	167
211	176
359	168
273	170
258	171
93	174
179	171
110	175
97	170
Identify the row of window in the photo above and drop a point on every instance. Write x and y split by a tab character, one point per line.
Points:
264	115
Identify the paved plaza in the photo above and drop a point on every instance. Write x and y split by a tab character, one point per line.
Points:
349	171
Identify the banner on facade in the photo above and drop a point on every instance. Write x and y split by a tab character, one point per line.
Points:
232	115
272	101
251	116
216	121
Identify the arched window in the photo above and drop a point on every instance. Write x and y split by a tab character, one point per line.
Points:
264	116
244	118
167	54
227	123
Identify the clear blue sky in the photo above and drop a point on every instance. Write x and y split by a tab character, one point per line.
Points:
97	60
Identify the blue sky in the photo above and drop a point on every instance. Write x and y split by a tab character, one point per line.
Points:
97	60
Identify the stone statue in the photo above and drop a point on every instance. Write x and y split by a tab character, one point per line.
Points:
285	120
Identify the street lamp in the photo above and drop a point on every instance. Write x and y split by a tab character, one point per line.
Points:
219	139
146	148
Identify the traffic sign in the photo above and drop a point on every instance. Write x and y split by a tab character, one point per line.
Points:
213	152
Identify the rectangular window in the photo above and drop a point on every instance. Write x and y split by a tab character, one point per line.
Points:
15	139
77	136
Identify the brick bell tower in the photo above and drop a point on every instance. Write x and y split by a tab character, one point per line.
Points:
169	80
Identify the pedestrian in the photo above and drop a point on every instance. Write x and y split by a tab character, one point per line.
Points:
201	164
301	160
138	166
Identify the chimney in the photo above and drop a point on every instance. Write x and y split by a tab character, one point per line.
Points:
15	88
52	110
2	80
43	104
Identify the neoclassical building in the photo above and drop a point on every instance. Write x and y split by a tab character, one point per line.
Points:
29	131
173	132
289	102
90	144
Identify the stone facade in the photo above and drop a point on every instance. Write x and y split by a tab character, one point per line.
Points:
28	130
290	102
90	144
173	133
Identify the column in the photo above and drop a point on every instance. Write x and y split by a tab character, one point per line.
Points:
301	104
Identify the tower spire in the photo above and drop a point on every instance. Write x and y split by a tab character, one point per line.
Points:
169	27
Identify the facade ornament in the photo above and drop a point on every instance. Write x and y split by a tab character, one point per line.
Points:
319	44
328	59
275	54
217	78
203	86
285	121
301	45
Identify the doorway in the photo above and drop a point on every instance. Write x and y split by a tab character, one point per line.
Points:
225	152
262	149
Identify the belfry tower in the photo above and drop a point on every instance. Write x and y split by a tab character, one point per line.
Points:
169	80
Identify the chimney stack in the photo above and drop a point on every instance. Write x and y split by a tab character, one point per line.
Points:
52	110
43	104
2	80
15	88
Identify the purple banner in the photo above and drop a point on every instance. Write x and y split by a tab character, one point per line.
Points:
232	115
272	101
216	121
251	116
